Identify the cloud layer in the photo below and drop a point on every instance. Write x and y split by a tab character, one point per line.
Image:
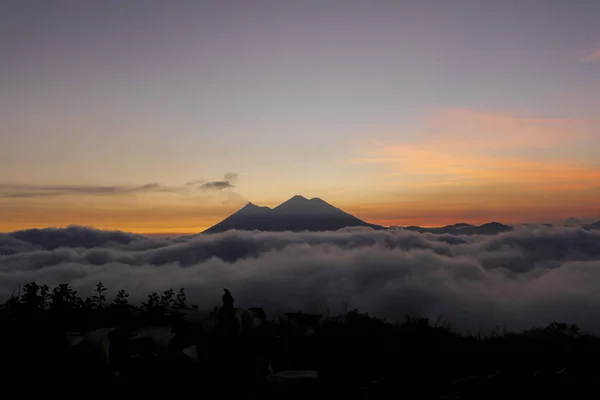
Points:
518	279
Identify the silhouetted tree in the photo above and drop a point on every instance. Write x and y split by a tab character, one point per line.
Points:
166	299
122	298
181	300
99	298
45	296
152	303
35	297
64	297
346	303
13	302
90	303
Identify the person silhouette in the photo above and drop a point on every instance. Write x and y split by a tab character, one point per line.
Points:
228	368
227	299
225	317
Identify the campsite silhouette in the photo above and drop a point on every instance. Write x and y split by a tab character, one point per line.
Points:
112	347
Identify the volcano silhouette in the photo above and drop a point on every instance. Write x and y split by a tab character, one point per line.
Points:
296	214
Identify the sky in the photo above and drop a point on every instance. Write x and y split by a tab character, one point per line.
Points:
155	117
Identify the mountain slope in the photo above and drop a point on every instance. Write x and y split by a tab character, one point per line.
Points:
248	218
296	214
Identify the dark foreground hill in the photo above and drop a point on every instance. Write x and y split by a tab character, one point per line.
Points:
296	214
55	342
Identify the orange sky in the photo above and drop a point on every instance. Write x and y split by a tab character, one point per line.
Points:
454	165
400	113
196	219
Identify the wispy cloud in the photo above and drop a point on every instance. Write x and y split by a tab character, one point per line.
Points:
431	165
468	146
187	207
23	191
33	191
518	279
593	56
216	185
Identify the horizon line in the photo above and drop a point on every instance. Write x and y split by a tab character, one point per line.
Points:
183	233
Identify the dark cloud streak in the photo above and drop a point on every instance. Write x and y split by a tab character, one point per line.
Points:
24	191
216	185
227	183
33	191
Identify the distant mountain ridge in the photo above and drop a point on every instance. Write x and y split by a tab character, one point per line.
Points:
301	214
296	214
595	225
577	223
490	228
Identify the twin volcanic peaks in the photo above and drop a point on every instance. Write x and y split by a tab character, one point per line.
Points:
296	214
294	201
296	204
300	214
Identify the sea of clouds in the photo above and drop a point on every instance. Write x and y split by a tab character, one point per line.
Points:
519	279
